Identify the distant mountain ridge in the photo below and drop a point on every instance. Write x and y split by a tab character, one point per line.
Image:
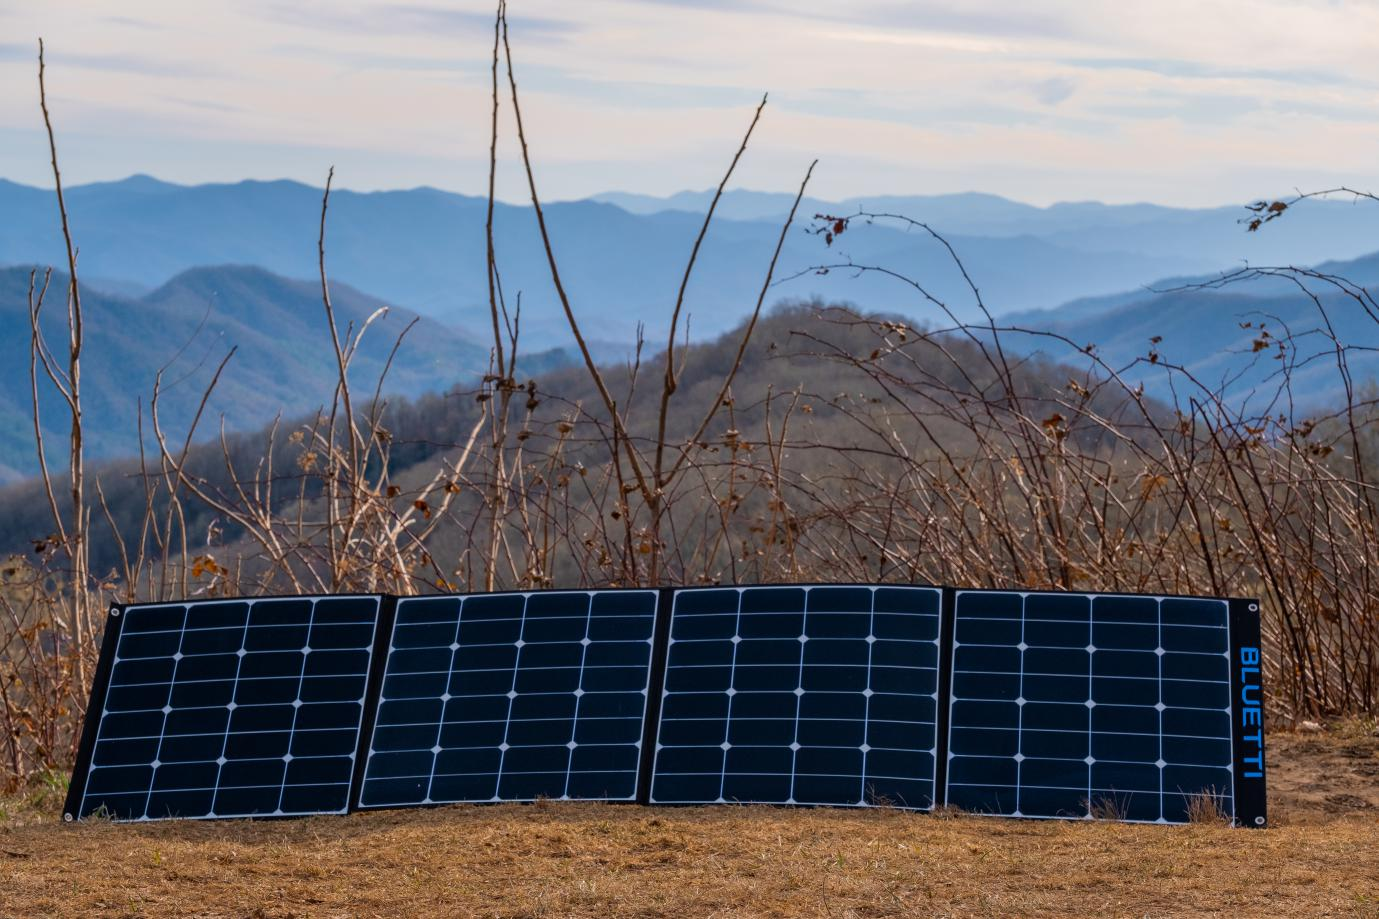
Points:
1211	331
424	249
1095	272
1321	230
284	361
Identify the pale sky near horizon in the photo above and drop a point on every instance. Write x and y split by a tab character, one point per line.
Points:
1187	102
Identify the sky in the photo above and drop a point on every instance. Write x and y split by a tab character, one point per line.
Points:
1183	102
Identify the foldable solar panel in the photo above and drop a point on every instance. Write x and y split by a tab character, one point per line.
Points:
231	708
512	697
800	695
1016	703
1095	705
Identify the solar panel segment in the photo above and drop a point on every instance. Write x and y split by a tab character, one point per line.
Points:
227	708
800	695
1090	705
512	697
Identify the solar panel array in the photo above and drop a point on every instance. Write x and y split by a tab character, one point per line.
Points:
1015	703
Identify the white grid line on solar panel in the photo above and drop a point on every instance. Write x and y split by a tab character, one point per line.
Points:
801	667
208	681
1179	708
1088	760
529	669
813	694
201	630
898	641
901	667
460	721
1176	625
175	759
1049	647
852	776
1080	732
1099	676
632	617
192	734
272	785
1022	732
487	773
483	696
1223	797
394	668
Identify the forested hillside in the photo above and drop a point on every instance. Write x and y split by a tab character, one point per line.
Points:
183	329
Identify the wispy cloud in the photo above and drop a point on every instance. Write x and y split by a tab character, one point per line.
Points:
969	18
208	105
1197	70
414	19
1054	90
58	56
132	22
726	5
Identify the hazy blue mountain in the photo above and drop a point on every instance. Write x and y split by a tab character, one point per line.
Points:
1083	267
1212	236
285	362
424	249
1206	332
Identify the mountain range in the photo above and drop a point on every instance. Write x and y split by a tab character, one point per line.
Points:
1211	332
1109	274
622	256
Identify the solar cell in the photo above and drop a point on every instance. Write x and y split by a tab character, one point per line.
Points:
800	695
226	708
1083	705
512	697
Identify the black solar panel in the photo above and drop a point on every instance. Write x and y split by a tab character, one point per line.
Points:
513	697
1078	705
792	695
1026	704
228	708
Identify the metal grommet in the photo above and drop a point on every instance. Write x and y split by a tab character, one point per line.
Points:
67	818
1254	607
1259	821
114	614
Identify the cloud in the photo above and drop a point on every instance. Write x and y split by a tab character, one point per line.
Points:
132	22
899	109
1004	21
120	63
921	15
1195	70
208	105
413	19
733	6
1054	90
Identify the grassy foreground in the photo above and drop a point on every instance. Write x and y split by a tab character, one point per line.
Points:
1321	858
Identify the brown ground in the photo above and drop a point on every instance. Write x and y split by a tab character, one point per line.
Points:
1321	858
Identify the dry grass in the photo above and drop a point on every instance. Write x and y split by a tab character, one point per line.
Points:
599	861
